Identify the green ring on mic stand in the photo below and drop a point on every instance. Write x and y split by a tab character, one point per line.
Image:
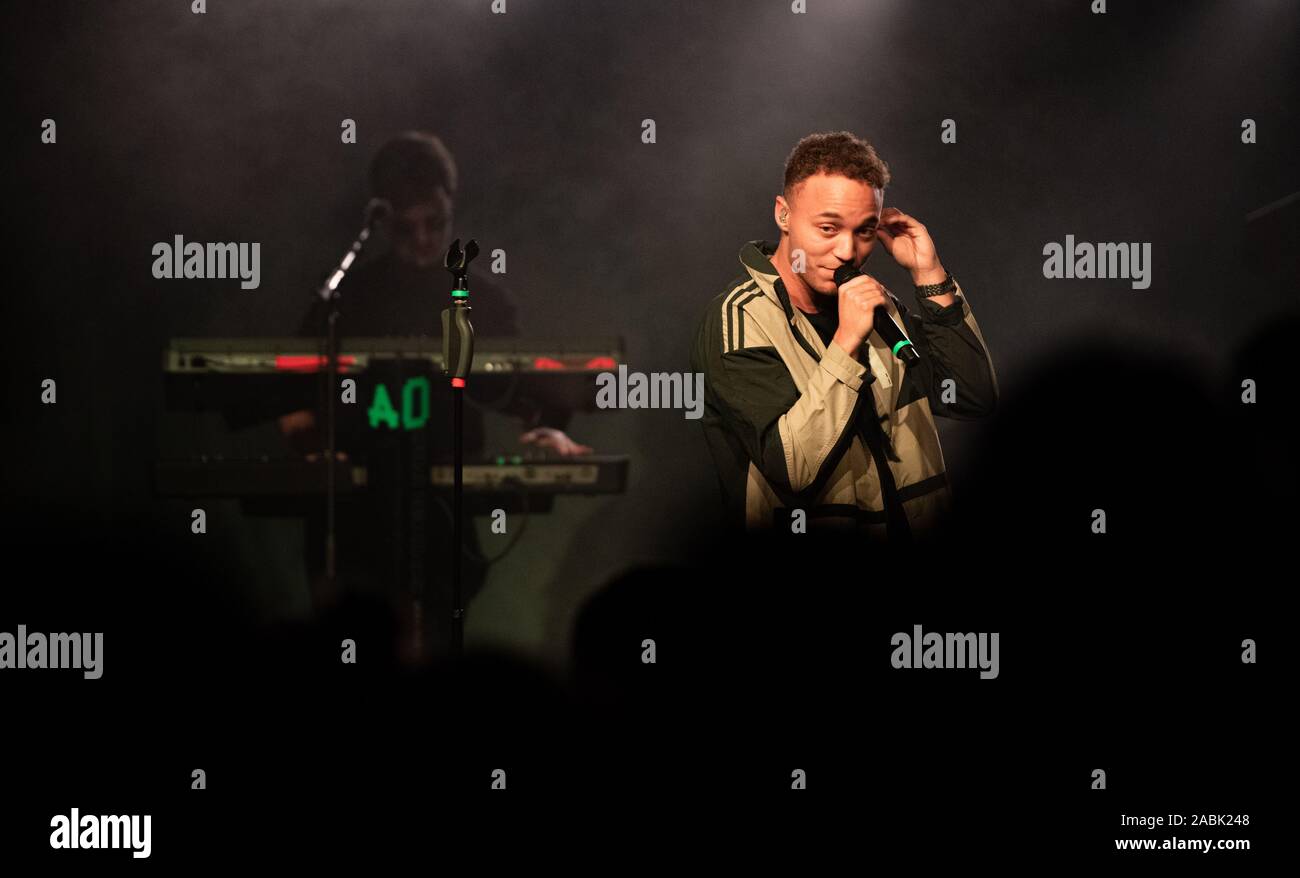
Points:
900	345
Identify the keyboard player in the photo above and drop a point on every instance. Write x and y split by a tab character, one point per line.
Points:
402	293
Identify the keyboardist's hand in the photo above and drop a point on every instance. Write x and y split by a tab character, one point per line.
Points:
554	440
300	430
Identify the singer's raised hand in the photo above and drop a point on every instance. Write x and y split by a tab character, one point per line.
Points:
911	246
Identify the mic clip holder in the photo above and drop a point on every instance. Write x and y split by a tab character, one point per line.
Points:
457	331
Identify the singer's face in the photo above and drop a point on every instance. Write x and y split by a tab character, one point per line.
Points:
833	220
419	232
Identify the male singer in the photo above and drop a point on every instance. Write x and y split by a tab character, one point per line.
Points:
810	417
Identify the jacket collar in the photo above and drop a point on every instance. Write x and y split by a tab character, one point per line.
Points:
756	256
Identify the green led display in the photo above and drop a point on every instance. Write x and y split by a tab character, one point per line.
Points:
415	406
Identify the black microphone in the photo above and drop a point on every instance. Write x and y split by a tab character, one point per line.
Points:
377	210
883	323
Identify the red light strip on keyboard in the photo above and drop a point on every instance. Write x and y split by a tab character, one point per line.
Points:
309	363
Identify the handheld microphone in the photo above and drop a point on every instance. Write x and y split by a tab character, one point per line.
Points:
883	323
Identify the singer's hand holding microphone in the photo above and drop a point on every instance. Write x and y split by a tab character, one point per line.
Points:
858	300
863	310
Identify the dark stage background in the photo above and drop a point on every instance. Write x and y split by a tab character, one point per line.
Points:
1119	127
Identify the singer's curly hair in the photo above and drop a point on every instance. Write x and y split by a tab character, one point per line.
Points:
410	169
838	152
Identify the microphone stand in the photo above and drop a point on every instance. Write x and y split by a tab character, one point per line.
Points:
376	210
457	357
